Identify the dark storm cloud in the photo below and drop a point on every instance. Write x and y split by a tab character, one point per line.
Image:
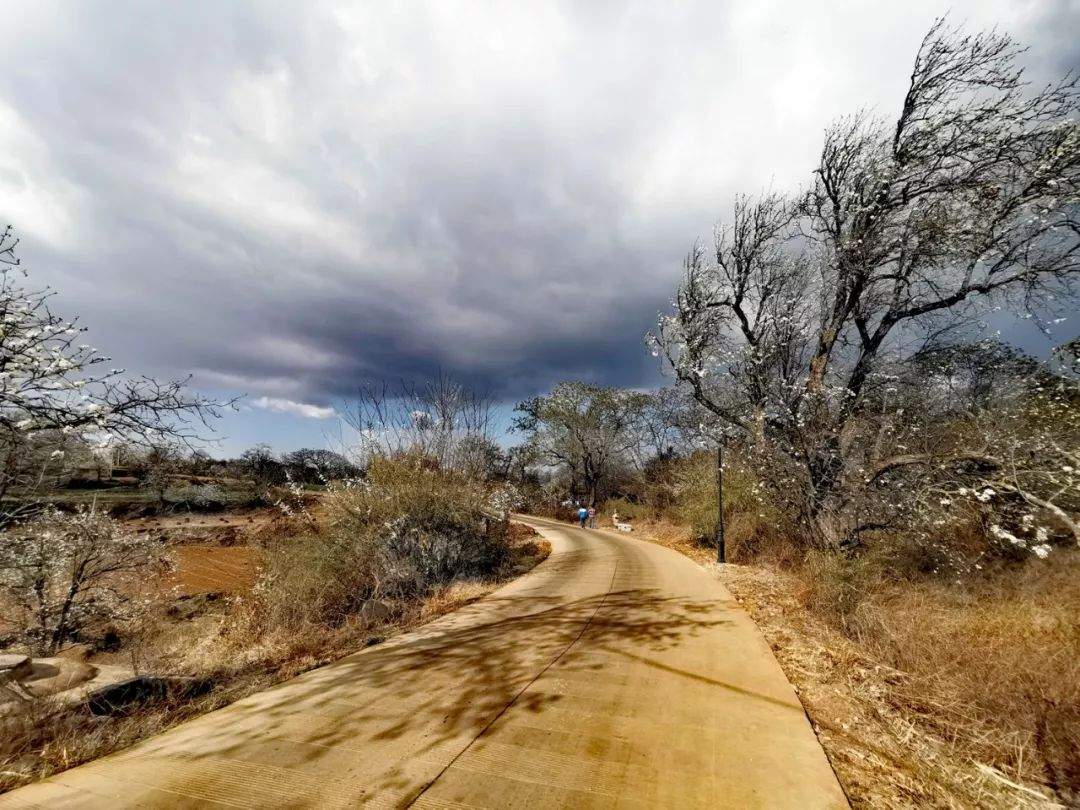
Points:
292	200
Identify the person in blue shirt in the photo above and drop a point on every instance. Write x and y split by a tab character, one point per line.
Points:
582	515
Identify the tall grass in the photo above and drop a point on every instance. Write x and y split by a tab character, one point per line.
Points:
994	662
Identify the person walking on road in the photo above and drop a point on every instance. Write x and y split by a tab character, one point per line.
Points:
582	515
592	517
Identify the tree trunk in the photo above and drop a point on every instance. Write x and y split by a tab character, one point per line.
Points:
827	508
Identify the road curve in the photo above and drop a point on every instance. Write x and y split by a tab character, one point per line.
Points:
617	674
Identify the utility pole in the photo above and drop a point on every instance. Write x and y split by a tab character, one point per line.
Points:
720	552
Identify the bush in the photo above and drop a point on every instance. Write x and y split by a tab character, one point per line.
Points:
837	587
627	510
403	530
751	525
63	573
200	497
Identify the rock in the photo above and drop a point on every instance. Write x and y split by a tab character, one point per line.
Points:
56	675
77	652
15	667
374	611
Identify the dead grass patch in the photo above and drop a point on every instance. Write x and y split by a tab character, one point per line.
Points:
937	695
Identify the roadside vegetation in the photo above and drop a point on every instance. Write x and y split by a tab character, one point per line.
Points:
140	620
901	487
143	582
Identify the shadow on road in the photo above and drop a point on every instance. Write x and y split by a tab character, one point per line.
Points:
442	688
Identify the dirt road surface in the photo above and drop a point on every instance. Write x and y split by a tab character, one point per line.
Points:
617	674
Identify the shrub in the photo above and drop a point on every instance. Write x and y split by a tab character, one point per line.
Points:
751	524
62	573
627	509
993	661
407	527
837	587
201	497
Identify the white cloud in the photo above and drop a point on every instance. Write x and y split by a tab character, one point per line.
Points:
36	196
304	409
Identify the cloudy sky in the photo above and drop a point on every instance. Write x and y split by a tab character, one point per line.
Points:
287	199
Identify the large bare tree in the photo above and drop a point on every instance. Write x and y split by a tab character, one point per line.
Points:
790	331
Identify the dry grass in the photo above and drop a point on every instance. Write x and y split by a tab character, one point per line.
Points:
935	695
993	666
411	527
240	658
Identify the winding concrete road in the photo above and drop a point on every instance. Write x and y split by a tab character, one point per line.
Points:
617	674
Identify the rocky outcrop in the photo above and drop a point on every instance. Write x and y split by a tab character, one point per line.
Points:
374	612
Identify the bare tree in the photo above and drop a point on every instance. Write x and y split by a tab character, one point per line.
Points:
160	464
670	424
313	465
261	465
441	419
790	331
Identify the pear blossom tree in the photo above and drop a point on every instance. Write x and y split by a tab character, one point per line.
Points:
1036	470
1025	467
982	429
61	574
50	381
794	330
